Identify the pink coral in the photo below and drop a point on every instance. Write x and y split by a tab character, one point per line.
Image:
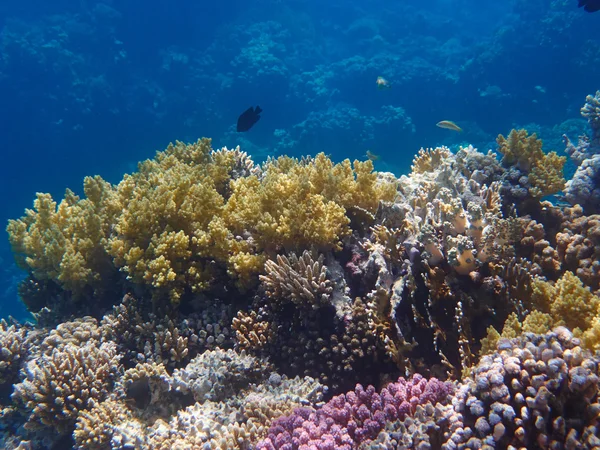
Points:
349	419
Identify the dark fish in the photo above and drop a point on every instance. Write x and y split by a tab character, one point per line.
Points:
248	118
590	5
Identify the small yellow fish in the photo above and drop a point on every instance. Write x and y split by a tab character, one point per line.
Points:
382	83
449	125
372	156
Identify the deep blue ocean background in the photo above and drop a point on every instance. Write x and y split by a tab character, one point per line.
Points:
92	87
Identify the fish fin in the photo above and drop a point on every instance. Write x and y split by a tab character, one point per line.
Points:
257	110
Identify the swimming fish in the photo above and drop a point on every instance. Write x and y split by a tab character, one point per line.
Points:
372	156
382	83
590	5
248	118
449	125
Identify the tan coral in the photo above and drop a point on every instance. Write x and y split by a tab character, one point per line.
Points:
251	334
302	280
429	159
520	148
66	242
525	151
94	428
69	380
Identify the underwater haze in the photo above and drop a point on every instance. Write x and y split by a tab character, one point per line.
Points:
92	87
300	224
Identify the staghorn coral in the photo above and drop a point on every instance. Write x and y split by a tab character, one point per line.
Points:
302	281
70	379
251	333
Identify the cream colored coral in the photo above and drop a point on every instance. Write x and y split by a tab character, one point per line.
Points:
300	280
94	428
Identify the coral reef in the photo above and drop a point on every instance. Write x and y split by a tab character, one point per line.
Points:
583	188
61	384
206	301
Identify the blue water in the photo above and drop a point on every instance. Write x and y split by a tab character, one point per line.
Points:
91	87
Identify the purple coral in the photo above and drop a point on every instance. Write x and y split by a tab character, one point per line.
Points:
349	419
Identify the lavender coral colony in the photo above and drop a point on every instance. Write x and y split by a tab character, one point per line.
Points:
208	302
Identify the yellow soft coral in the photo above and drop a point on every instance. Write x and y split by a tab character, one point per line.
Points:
546	177
190	215
520	148
545	170
568	301
297	204
65	242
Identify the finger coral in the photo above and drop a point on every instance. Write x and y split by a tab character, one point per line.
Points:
69	380
523	395
302	280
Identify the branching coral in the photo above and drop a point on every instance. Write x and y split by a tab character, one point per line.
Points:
13	352
69	380
300	280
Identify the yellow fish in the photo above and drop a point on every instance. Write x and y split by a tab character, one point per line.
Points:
372	156
449	125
